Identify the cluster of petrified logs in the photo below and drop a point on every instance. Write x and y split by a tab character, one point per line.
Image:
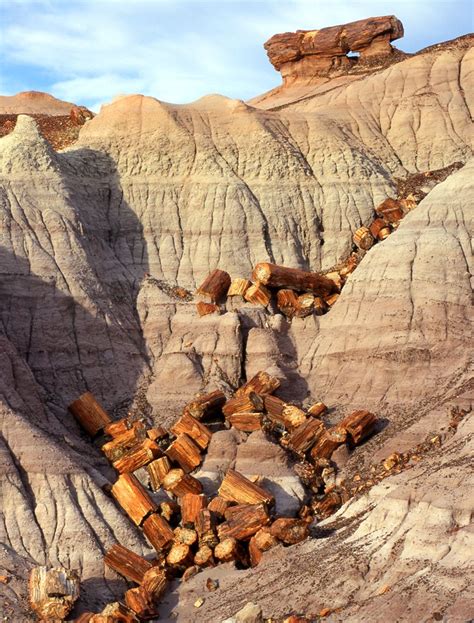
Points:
389	214
190	531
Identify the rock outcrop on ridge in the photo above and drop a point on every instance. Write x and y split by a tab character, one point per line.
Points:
153	194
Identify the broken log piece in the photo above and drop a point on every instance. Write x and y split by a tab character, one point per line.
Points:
336	277
215	285
329	441
188	536
290	531
305	305
237	488
157	471
261	383
133	498
126	563
178	483
114	429
206	405
303	437
115	612
391	210
287	302
327	506
379	229
204	309
205	528
169	509
154	582
137	457
198	432
229	550
244	522
317	409
246	422
330	300
274	406
158	531
319	306
191	504
140	602
262	541
156	433
185	452
258	294
247	403
180	556
204	557
292	278
238	287
52	593
359	425
293	417
219	505
89	414
363	238
121	444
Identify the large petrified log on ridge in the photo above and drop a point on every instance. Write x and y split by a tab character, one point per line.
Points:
207	405
244	522
262	384
53	592
198	432
126	563
237	488
293	278
215	285
158	531
185	452
89	414
133	498
359	425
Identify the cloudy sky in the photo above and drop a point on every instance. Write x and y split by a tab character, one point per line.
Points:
88	51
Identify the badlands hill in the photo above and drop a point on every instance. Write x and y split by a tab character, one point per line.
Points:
153	195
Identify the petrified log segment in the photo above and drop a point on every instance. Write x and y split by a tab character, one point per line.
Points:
90	415
293	278
377	227
115	613
158	531
262	541
330	300
238	287
126	563
140	602
274	406
363	238
219	505
114	429
157	471
244	522
180	556
179	483
154	582
336	277
138	457
206	405
329	441
305	305
290	531
359	425
262	383
327	506
391	210
204	309
228	550
287	302
53	592
198	432
191	504
133	498
123	443
184	451
237	488
246	422
317	409
258	294
246	403
293	416
204	557
156	433
205	527
188	536
215	285
303	437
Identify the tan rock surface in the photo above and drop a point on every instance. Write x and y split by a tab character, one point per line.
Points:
33	103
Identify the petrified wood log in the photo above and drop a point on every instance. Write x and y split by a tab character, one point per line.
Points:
158	531
391	210
157	471
378	229
244	522
185	452
228	550
238	287
154	582
205	527
126	563
289	531
305	305
124	442
53	592
359	425
336	277
137	457
317	409
204	309
188	536
198	432
179	483
133	498
303	437
330	300
327	506
258	294
219	505
115	612
204	557
215	285
363	238
293	417
180	556
274	406
328	442
89	414
262	541
206	405
191	504
246	422
237	488
114	429
287	302
140	602
156	433
262	384
292	278
247	403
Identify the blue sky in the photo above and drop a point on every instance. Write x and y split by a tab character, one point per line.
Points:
89	51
